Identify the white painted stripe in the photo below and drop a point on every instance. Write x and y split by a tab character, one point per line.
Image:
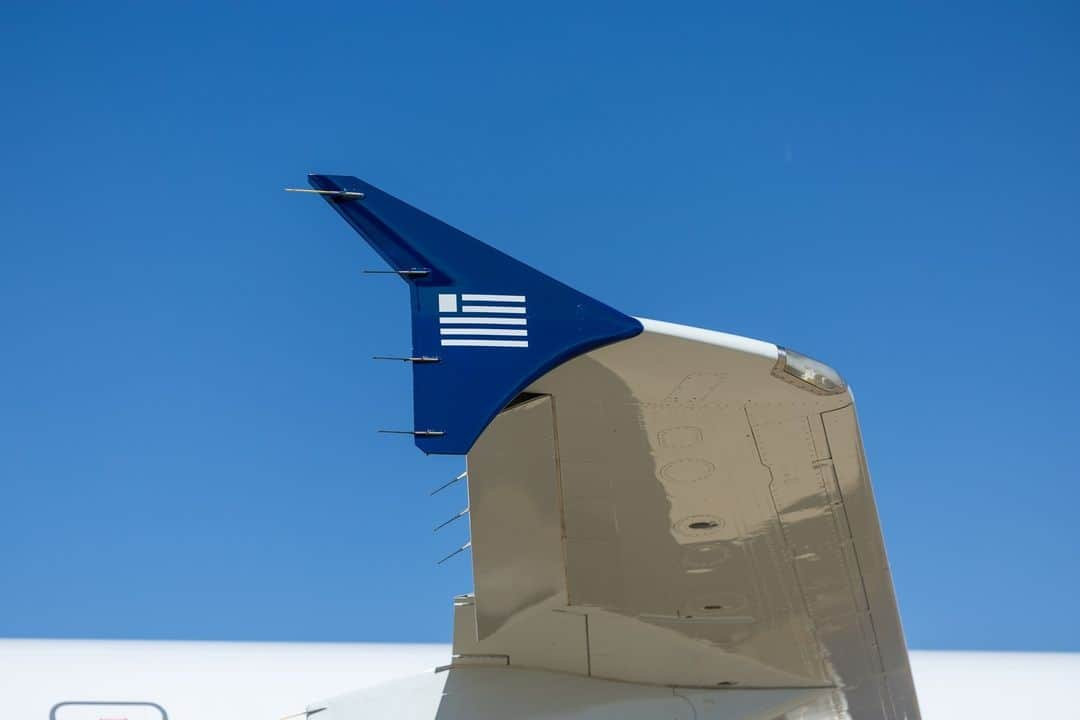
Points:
485	343
447	302
465	297
508	309
473	320
484	331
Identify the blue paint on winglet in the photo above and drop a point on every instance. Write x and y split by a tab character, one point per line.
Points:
494	323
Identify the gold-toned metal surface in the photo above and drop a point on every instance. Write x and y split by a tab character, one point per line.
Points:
519	524
694	521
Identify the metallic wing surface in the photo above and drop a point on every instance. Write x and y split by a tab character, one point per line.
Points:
650	504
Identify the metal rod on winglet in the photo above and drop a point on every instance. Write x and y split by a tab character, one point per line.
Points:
343	194
442	487
417	359
460	515
461	549
411	272
415	433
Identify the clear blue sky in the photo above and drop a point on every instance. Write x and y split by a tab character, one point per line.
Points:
187	405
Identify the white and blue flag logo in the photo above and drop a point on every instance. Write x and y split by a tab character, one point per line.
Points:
473	320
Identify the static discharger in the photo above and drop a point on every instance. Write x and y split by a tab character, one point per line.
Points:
460	515
442	487
415	433
460	550
409	273
339	194
420	359
305	714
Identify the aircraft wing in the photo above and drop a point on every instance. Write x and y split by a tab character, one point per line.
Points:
649	503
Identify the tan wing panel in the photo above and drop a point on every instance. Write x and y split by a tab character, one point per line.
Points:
522	525
669	512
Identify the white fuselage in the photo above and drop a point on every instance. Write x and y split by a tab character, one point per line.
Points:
263	681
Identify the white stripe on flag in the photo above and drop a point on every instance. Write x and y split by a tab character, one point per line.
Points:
505	309
465	297
483	331
485	343
473	320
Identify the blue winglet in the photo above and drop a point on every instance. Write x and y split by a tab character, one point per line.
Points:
494	323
